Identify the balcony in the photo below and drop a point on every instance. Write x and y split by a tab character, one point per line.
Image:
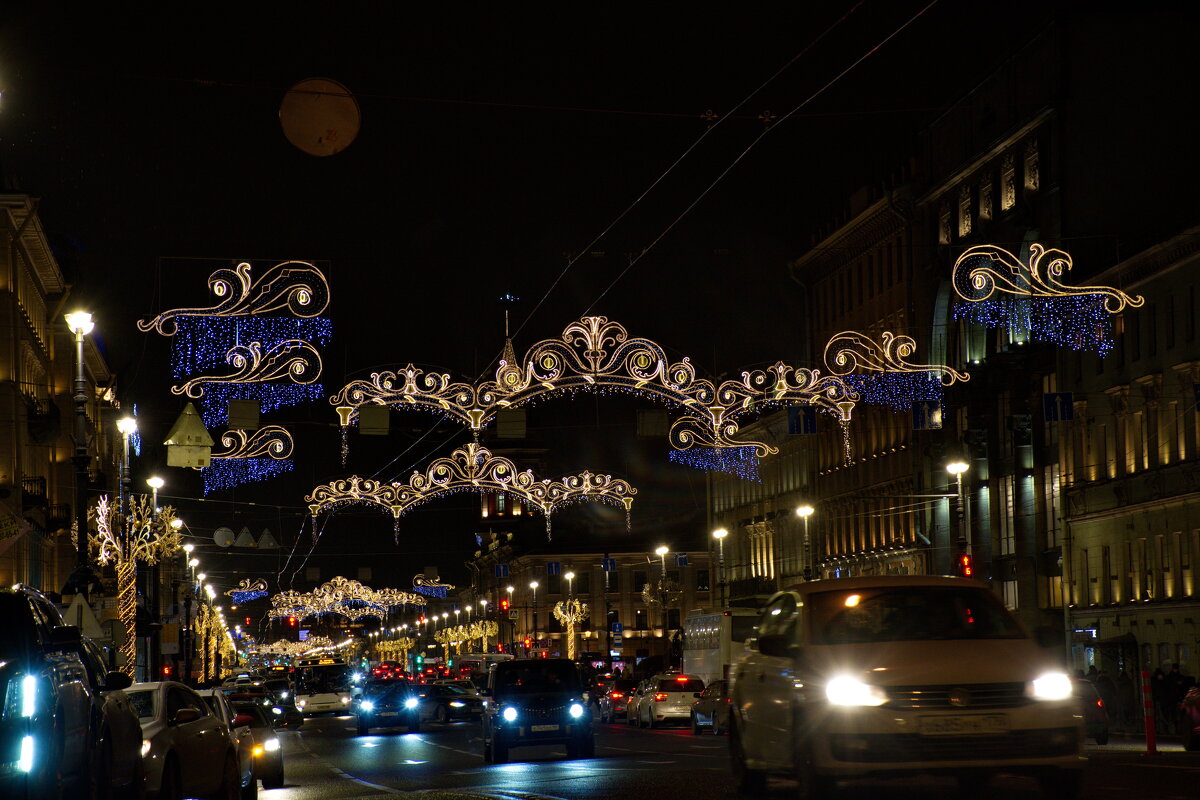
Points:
33	492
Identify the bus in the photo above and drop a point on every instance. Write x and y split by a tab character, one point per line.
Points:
713	640
323	684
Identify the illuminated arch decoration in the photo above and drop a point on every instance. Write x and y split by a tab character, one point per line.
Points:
459	636
880	373
248	590
249	456
996	289
473	468
430	588
596	355
343	596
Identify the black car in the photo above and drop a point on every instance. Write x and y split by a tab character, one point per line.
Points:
536	701
448	702
389	704
65	724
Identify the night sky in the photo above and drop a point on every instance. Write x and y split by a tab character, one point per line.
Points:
495	143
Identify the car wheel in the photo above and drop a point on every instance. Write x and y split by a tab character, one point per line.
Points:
99	772
750	782
696	729
250	790
603	718
442	715
499	752
136	788
414	723
1102	735
1191	742
1062	784
275	781
650	720
488	758
587	748
171	787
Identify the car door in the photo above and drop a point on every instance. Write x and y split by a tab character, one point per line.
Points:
764	687
201	743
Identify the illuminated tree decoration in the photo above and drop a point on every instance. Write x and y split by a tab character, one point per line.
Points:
297	286
249	456
996	289
595	355
124	540
570	613
473	468
248	590
460	636
430	588
343	596
395	649
880	373
741	462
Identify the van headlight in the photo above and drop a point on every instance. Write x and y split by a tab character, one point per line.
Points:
367	705
271	745
146	744
846	690
509	714
410	702
576	711
1051	686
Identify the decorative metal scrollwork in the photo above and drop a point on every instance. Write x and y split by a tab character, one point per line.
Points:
272	441
853	351
294	360
986	269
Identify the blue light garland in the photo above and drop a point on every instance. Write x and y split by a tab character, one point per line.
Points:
270	396
896	390
226	473
431	591
738	461
1080	322
245	597
202	343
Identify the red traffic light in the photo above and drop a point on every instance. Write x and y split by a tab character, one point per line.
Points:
247	622
166	671
504	604
528	643
966	566
292	622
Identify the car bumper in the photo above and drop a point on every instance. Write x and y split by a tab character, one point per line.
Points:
664	713
324	708
873	740
528	735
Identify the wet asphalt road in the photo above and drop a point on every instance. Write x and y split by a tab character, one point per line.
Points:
328	761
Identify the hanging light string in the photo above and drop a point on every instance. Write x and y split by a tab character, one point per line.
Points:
749	147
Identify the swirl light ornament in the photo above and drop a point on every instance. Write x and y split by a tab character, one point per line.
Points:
880	372
293	360
290	649
430	587
473	468
995	288
249	456
570	613
343	596
297	286
248	590
596	355
272	441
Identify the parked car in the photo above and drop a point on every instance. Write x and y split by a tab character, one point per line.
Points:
613	703
711	709
283	713
389	704
446	702
268	752
634	700
668	697
186	749
239	731
1095	715
898	675
536	701
65	722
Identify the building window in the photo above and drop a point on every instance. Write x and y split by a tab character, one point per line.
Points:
964	211
702	581
1032	176
944	223
1008	182
583	583
1009	589
985	199
612	582
639	580
639	620
554	584
672	619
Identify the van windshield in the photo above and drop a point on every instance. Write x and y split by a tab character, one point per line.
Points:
909	613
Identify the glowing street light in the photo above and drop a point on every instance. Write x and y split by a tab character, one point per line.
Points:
804	512
719	534
155	483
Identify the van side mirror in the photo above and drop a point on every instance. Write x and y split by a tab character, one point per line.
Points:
117	680
184	715
777	645
65	637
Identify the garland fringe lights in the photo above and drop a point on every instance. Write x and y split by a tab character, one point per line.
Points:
228	473
880	372
248	590
595	355
741	462
997	289
430	588
473	468
249	456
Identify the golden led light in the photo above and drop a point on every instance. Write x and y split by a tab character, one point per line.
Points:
805	511
295	360
983	270
127	426
957	467
852	351
155	482
852	600
720	533
570	613
273	441
343	596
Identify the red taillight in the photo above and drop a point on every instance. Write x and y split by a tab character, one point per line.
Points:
660	697
1099	703
616	695
681	679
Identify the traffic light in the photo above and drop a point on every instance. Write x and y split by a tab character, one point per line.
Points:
166	671
420	659
504	604
966	566
291	622
247	622
528	643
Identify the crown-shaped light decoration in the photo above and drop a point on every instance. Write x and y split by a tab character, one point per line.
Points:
995	288
343	596
249	456
473	468
880	373
597	356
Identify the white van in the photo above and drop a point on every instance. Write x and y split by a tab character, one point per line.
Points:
896	675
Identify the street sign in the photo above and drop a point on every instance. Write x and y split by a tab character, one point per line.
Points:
502	570
617	639
1058	406
608	564
681	559
617	627
926	415
801	420
514	614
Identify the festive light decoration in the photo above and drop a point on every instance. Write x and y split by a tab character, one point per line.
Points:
203	343
294	359
395	649
570	613
596	355
248	590
296	285
459	636
289	649
270	397
222	475
243	459
739	461
473	468
343	596
1034	299
430	588
897	390
881	374
123	540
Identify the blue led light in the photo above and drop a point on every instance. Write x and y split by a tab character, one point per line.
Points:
202	343
1080	322
431	591
226	473
246	597
270	396
738	461
896	390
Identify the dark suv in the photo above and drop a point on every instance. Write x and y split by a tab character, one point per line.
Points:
60	731
536	701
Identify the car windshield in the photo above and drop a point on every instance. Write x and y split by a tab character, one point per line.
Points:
527	677
251	710
275	685
909	613
142	702
378	690
676	685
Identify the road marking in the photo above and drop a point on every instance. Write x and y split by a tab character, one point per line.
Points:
343	774
1168	766
446	747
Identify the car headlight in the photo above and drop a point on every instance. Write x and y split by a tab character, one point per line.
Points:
283	695
301	703
276	710
145	747
345	701
29	692
457	704
846	690
509	714
410	702
1052	686
271	745
576	710
367	705
25	760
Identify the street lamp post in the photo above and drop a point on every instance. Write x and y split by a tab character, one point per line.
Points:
804	512
83	578
534	586
662	551
957	468
512	643
719	534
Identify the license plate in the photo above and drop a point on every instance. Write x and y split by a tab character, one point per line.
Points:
963	724
543	728
387	713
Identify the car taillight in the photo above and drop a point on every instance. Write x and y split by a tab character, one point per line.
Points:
616	695
1099	703
660	697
